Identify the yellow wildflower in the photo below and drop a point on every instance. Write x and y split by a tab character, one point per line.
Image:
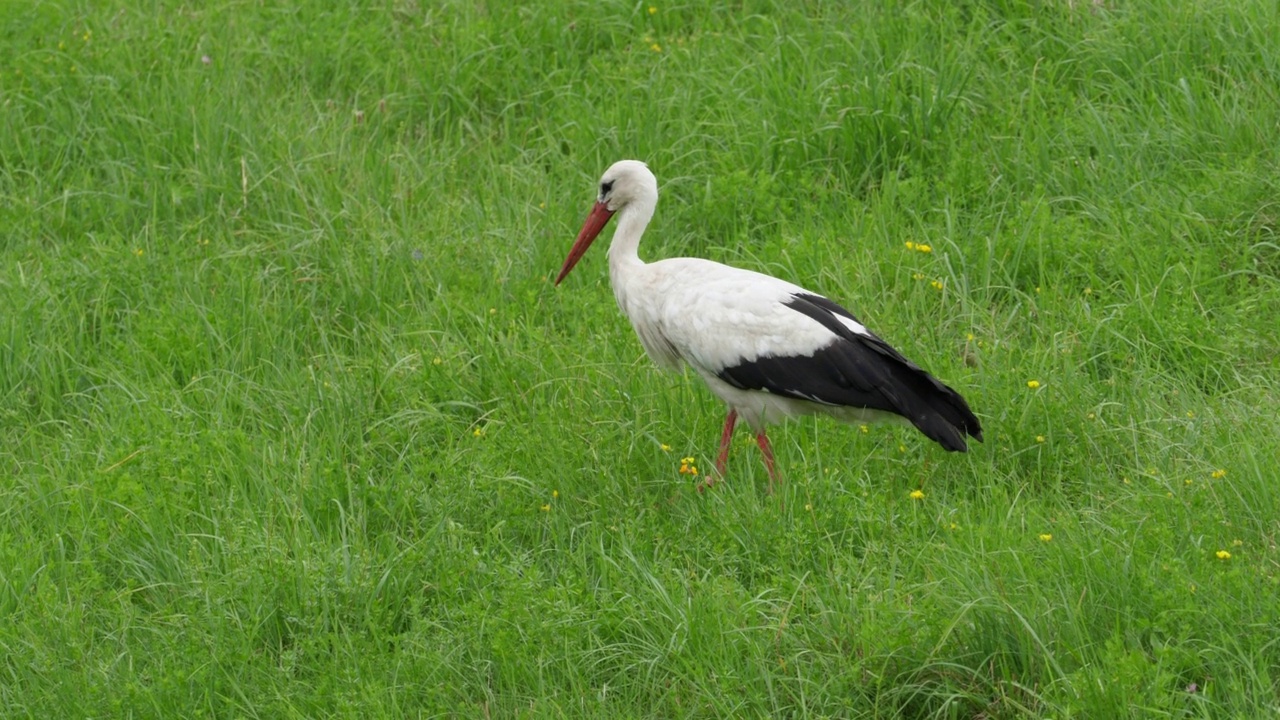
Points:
936	284
1218	474
478	432
493	311
1039	438
864	429
665	447
808	507
545	508
138	252
1033	384
917	276
555	494
1046	537
910	245
924	248
1223	555
655	47
653	10
916	495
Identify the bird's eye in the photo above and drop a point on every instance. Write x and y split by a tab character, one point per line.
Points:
606	188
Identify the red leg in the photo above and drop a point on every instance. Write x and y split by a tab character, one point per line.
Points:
763	442
723	457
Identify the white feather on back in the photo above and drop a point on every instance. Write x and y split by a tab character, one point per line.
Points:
715	316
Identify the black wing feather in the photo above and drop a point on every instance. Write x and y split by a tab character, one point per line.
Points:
863	371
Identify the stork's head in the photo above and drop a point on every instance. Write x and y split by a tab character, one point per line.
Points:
624	183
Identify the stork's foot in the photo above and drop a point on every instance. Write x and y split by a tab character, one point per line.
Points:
763	441
723	456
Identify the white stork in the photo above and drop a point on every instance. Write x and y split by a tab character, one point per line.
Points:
767	348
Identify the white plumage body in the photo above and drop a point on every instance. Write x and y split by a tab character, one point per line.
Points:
713	316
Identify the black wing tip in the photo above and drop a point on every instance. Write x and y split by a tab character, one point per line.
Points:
943	415
969	424
959	442
952	438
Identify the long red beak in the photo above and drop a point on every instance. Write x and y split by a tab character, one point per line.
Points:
596	220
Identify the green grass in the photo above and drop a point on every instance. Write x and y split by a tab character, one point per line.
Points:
285	386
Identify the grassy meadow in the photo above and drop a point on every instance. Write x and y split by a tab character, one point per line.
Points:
293	423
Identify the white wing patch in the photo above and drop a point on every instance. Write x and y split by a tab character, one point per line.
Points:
854	325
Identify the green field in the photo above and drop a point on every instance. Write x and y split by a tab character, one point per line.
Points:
293	423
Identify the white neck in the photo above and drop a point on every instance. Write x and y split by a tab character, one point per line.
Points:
624	250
